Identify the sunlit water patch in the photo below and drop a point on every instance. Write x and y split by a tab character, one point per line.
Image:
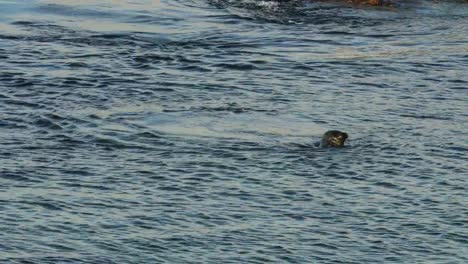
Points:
184	131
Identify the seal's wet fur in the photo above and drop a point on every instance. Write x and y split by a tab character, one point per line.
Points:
333	138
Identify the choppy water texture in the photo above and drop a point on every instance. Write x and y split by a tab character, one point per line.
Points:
182	132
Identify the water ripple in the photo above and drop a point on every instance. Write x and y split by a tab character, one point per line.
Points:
185	131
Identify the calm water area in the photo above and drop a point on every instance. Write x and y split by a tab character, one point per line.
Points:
183	131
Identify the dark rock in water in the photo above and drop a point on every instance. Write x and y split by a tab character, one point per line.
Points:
369	2
356	2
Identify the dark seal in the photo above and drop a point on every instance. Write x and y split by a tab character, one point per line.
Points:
334	139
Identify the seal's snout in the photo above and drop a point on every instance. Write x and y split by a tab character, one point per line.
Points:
345	135
334	138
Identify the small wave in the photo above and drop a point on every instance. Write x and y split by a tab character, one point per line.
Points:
47	123
67	10
237	66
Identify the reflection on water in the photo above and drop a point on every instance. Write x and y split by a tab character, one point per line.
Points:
182	131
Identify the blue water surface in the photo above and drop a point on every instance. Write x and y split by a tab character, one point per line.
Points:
182	131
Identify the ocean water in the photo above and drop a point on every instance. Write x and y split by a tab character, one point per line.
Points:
182	131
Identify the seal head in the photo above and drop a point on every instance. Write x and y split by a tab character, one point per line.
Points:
333	138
